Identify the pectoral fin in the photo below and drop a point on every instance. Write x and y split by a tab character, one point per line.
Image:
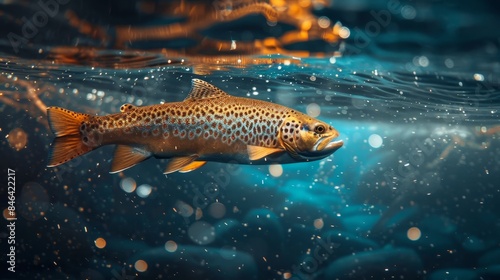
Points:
176	164
257	152
126	157
192	166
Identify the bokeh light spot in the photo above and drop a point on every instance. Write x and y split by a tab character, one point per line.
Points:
144	190
171	246
318	223
128	184
217	210
100	243
478	77
201	233
414	233
141	266
184	209
276	170
313	110
324	22
17	138
344	32
375	141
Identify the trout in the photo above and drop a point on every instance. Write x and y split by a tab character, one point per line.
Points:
209	125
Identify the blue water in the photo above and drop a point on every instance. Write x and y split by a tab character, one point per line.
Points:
413	193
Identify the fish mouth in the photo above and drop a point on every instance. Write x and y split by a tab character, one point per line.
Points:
334	145
328	144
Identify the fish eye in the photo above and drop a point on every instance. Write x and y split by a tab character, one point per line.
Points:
320	129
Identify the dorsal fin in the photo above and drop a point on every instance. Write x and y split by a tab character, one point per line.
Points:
201	90
125	107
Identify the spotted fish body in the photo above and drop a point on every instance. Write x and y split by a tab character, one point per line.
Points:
209	125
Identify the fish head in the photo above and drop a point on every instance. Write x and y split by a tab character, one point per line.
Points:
306	138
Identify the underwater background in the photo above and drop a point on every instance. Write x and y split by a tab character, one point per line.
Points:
413	87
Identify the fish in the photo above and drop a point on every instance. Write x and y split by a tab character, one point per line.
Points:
209	125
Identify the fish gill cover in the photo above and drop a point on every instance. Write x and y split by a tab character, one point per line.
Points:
412	87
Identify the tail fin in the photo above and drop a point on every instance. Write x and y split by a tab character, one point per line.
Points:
68	144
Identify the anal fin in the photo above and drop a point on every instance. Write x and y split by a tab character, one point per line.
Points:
192	166
258	152
179	163
126	157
